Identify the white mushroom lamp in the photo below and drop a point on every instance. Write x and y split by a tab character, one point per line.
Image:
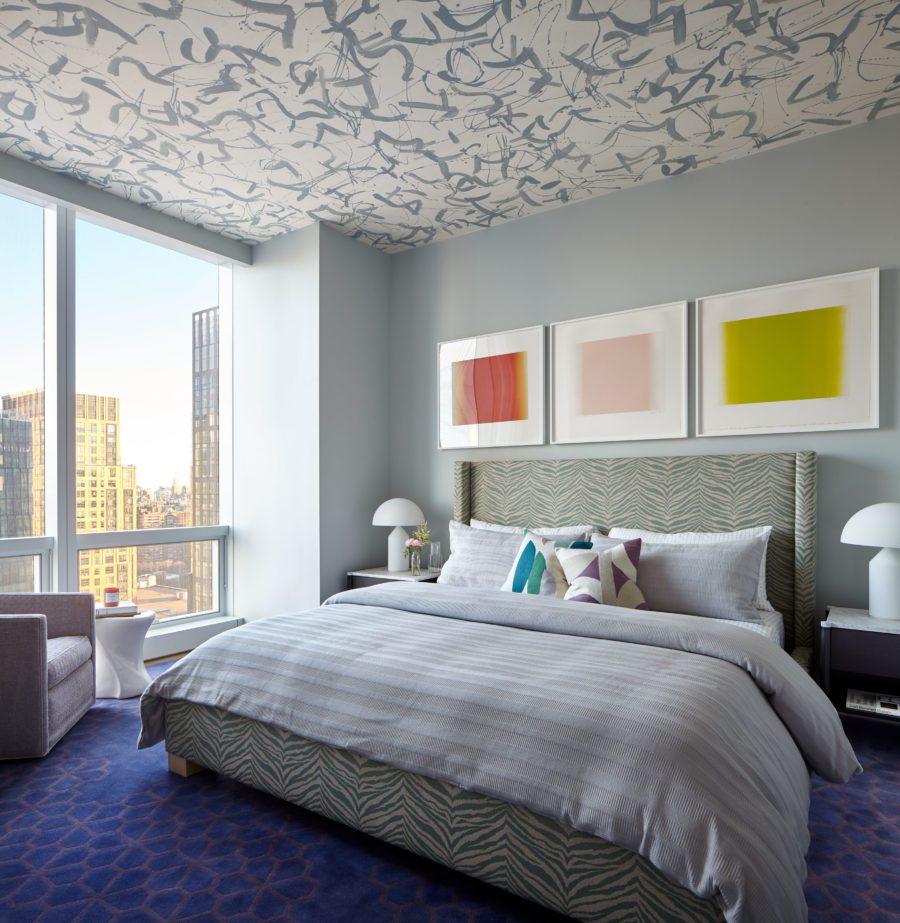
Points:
398	513
879	526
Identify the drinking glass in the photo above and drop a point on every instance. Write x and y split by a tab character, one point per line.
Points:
435	561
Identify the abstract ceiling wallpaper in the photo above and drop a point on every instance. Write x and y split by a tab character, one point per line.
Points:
408	121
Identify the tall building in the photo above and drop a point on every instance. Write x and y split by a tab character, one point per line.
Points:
29	405
105	489
105	495
16	502
205	452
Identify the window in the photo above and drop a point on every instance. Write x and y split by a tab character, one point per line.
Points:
22	505
172	579
20	574
111	474
21	368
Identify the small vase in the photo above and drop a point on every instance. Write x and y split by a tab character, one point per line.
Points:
415	560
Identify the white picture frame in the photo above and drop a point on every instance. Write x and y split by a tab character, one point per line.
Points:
455	433
652	400
843	396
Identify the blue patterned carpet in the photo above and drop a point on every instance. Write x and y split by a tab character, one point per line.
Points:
100	831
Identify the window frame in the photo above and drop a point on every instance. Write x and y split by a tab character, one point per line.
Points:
59	547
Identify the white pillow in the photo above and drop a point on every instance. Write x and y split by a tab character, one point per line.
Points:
575	533
709	538
479	558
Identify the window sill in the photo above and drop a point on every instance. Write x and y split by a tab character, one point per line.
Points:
165	640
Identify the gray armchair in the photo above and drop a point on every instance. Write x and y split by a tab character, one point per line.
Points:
46	669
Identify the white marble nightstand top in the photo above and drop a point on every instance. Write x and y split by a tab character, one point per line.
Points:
860	620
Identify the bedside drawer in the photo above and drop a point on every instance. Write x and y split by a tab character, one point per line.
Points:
355	581
864	652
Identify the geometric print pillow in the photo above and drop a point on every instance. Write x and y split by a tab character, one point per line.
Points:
555	568
608	577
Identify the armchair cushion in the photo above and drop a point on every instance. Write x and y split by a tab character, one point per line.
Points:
64	656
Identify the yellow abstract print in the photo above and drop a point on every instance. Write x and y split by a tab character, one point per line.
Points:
798	356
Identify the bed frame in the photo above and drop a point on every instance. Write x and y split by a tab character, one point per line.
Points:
510	846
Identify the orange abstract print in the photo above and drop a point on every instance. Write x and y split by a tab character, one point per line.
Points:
493	389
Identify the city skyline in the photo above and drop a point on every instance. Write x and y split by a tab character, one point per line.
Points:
129	340
172	578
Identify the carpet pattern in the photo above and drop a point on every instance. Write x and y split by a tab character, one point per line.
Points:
100	831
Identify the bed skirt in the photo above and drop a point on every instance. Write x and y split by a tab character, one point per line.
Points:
504	845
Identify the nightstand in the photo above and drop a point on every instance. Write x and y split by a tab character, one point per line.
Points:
372	576
859	652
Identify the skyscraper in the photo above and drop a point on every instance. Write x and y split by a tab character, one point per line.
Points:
205	451
29	406
16	503
105	489
105	495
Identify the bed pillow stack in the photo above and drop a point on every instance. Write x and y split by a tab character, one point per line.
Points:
478	558
714	579
710	538
483	558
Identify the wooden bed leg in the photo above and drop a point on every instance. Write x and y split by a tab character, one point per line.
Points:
182	767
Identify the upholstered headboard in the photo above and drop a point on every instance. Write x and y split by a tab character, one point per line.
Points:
704	493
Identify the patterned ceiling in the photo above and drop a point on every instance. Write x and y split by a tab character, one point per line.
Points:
407	121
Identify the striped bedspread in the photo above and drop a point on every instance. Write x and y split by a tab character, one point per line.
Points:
687	742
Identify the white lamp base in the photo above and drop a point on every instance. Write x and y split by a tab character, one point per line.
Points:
396	547
884	584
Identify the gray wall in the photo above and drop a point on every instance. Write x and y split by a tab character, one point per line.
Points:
354	379
276	428
828	205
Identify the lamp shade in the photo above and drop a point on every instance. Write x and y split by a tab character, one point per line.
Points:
877	525
397	512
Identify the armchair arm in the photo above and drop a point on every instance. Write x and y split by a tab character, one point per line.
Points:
24	728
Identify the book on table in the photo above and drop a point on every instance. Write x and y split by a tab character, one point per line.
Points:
125	608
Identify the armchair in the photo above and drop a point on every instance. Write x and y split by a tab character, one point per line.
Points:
47	654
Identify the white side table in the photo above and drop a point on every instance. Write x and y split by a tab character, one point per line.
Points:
121	673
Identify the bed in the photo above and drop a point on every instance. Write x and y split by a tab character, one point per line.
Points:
470	827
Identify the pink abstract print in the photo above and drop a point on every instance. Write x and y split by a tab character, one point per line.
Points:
617	375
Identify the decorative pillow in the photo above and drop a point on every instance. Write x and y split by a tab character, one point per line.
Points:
555	567
717	580
530	572
607	576
479	558
709	538
573	533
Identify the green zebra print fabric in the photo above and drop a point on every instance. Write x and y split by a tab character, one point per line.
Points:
702	493
504	845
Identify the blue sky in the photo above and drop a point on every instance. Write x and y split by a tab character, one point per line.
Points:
134	302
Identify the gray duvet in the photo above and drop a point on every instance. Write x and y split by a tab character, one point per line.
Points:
686	741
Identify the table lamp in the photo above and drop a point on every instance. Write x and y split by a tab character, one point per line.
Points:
879	527
398	513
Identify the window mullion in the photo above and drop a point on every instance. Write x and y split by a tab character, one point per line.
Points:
59	393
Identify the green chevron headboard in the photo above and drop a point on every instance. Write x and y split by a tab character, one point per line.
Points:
703	493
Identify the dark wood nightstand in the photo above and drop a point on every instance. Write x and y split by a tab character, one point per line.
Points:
374	575
859	652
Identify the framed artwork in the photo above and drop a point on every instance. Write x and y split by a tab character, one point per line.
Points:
491	390
620	376
789	358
